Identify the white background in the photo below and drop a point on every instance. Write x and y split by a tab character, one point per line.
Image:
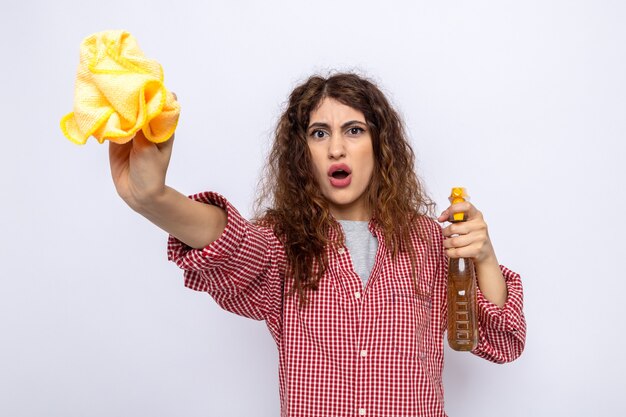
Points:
522	102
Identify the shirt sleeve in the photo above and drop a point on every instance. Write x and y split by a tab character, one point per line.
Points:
242	270
502	330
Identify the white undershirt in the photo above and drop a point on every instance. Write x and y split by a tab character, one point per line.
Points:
362	246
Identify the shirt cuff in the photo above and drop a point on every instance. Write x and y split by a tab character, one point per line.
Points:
507	317
216	253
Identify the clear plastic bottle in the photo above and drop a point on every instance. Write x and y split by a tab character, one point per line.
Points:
462	325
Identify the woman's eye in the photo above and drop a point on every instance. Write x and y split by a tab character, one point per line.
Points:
319	134
356	130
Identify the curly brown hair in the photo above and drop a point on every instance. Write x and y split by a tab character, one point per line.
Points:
291	201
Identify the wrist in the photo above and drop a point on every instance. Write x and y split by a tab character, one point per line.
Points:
490	261
147	201
487	257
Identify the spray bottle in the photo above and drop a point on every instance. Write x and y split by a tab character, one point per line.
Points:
462	324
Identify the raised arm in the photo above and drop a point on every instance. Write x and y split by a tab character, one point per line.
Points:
139	169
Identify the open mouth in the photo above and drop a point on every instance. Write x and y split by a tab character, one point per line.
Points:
339	171
340	175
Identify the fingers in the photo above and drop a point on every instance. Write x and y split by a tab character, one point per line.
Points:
457	229
471	212
116	149
462	241
444	216
475	245
472	251
167	145
476	227
118	153
468	239
141	143
464	234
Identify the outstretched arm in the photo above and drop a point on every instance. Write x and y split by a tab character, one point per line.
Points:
138	169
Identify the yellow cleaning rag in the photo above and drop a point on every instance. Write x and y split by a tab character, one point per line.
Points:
119	92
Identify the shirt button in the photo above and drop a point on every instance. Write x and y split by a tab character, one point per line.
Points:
364	353
361	411
357	295
341	251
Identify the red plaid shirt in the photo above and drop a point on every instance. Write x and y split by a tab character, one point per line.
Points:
352	351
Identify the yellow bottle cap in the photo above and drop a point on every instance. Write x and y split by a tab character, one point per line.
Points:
458	195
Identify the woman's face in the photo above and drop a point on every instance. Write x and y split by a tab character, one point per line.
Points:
343	158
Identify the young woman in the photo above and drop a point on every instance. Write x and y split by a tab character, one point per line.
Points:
344	263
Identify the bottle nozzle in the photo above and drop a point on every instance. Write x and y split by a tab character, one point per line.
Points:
458	195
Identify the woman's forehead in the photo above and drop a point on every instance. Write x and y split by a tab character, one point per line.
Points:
331	112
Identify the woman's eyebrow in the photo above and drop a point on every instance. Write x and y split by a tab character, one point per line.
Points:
321	125
352	122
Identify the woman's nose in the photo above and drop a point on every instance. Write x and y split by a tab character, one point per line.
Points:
336	148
